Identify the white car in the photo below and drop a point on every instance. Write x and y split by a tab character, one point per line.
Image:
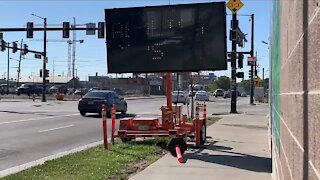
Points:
180	97
202	96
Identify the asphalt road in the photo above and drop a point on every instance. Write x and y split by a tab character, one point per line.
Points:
33	130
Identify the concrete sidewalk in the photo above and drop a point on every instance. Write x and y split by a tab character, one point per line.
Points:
238	149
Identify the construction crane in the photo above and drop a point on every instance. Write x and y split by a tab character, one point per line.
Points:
70	53
70	42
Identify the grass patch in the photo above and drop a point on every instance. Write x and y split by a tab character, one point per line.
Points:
118	162
210	120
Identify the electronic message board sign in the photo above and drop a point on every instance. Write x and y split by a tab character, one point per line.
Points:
175	38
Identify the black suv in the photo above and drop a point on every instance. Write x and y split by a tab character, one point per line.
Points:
29	89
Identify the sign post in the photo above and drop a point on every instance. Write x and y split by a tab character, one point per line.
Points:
234	6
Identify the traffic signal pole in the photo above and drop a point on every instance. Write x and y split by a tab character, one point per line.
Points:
44	62
252	66
8	69
234	67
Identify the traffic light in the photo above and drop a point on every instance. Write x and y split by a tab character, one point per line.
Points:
240	75
240	60
29	29
40	72
100	29
46	73
66	30
229	57
14	47
3	45
25	49
250	74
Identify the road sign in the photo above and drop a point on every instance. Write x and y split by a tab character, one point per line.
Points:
37	56
234	5
252	59
257	81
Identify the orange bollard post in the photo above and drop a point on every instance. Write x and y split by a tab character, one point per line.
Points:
104	122
178	152
204	110
184	119
113	122
197	124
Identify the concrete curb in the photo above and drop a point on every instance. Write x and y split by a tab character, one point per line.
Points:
25	166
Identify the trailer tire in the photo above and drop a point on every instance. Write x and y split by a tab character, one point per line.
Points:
203	133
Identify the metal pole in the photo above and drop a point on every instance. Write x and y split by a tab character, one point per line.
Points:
19	67
74	54
192	98
44	62
8	44
169	90
53	71
234	68
263	82
251	53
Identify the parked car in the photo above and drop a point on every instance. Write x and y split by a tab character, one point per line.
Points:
29	89
58	89
94	88
93	100
227	94
12	88
2	91
180	97
202	96
243	94
81	91
218	92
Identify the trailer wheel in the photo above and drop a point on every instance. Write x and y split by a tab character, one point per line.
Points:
203	133
172	146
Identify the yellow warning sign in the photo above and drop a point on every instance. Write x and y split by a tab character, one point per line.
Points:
257	82
234	5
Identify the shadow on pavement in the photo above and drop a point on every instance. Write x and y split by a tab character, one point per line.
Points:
236	160
255	127
33	113
118	116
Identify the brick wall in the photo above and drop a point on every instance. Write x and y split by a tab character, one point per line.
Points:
295	89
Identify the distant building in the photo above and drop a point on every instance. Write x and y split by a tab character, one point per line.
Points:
58	80
137	85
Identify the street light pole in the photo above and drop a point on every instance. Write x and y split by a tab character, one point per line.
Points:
8	69
44	86
234	68
19	70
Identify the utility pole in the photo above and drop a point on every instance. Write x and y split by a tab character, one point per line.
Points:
53	71
44	61
234	67
252	65
19	67
74	54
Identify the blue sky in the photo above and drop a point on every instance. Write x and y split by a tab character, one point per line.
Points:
91	55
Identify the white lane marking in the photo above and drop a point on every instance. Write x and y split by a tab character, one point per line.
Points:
52	129
36	119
